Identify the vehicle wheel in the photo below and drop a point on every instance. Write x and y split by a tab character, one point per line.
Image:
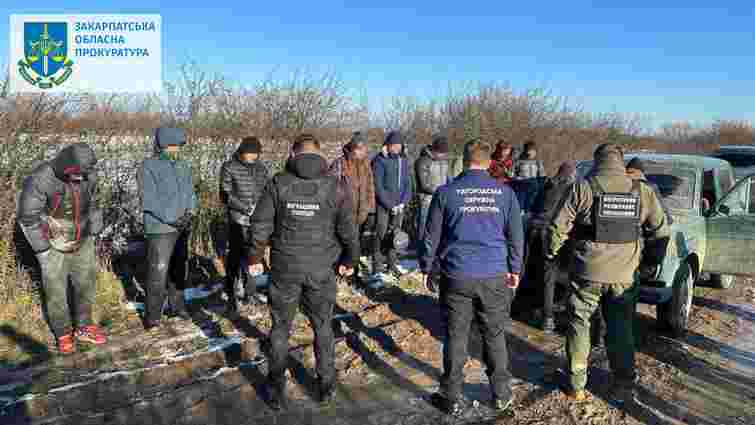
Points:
674	314
722	281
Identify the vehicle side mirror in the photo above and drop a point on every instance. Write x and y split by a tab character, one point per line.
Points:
723	209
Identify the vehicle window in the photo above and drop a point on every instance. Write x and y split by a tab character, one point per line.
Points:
736	200
727	179
677	188
737	159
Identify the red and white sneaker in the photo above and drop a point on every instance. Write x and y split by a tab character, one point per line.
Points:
66	344
91	334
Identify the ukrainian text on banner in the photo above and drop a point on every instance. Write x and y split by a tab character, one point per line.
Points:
85	53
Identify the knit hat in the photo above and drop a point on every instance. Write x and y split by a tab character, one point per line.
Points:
250	145
165	137
636	164
357	139
393	138
607	150
440	144
567	169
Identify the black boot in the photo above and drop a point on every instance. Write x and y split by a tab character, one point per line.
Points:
326	391
178	304
446	405
277	388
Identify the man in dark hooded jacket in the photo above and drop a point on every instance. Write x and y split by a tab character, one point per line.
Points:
393	191
306	217
168	205
540	271
56	211
242	180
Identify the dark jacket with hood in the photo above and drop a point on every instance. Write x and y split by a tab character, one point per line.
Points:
241	186
306	217
393	183
432	171
548	199
54	208
165	185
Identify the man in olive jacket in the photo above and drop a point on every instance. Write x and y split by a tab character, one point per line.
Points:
608	250
57	213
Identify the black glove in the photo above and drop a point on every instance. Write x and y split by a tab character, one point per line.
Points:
184	222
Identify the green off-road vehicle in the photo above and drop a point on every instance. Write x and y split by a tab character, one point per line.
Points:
713	233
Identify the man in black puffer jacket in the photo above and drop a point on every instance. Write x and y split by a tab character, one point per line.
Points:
57	213
307	218
242	180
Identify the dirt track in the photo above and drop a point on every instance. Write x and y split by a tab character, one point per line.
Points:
389	362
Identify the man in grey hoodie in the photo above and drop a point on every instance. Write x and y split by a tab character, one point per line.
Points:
168	205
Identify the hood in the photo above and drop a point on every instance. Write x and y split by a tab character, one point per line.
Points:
74	159
169	136
308	166
435	156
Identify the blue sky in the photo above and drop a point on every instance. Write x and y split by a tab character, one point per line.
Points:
687	60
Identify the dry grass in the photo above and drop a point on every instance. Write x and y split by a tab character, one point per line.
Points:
24	335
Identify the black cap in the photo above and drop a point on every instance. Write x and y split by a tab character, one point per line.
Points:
250	145
440	144
636	164
393	138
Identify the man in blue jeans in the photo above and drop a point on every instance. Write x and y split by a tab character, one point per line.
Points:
474	232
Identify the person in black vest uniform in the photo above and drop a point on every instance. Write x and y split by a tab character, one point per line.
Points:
307	218
242	180
474	231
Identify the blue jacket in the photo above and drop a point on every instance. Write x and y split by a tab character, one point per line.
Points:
393	185
474	228
166	188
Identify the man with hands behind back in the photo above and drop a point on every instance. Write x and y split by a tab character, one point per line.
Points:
307	218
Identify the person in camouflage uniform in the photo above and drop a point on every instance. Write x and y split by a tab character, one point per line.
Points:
57	213
608	250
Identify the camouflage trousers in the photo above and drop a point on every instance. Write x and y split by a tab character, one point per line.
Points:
64	272
617	304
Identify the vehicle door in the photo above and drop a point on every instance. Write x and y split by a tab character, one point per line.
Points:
730	231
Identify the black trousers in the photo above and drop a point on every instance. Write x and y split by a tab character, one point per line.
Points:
539	287
316	293
167	271
383	252
237	235
487	301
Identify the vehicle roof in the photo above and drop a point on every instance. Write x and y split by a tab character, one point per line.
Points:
737	148
697	161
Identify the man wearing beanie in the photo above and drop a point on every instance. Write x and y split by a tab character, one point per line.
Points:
432	170
608	250
353	169
242	180
393	191
168	204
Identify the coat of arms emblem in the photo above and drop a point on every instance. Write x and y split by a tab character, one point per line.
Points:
46	63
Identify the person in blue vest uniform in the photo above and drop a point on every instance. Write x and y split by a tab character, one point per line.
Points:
474	231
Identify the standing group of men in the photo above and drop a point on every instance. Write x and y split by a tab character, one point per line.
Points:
471	243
